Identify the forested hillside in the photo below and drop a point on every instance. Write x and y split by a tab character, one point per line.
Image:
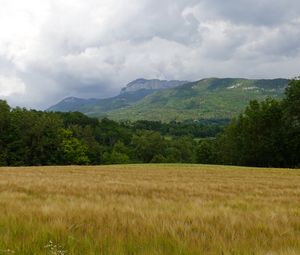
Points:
266	134
205	99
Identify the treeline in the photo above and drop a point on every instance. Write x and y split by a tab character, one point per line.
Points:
191	128
266	134
30	137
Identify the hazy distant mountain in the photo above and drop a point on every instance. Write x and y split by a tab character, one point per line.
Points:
131	93
153	100
72	104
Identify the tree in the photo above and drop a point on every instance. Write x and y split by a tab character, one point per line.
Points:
118	155
33	137
291	105
292	101
44	138
73	151
184	146
256	137
147	145
205	152
4	131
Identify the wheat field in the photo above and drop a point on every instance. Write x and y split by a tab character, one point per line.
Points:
149	209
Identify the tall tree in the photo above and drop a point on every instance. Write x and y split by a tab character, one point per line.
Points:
4	131
292	121
73	151
256	137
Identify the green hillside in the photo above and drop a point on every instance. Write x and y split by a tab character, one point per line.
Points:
98	107
208	98
204	99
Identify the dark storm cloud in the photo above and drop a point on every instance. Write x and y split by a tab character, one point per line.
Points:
52	49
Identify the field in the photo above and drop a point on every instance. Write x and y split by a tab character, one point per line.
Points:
149	209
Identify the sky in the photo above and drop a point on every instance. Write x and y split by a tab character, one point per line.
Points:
52	49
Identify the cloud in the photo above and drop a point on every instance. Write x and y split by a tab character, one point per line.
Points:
51	49
253	12
11	86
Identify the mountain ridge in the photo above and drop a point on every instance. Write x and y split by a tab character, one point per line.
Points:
152	84
204	99
137	89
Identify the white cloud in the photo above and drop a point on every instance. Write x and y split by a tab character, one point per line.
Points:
91	48
11	86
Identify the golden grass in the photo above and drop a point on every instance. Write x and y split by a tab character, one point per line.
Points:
149	209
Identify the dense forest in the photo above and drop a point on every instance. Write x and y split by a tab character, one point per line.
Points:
30	137
266	134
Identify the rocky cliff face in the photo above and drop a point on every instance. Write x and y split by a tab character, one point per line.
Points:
155	84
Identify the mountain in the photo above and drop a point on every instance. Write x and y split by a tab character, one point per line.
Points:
71	104
130	94
141	84
205	99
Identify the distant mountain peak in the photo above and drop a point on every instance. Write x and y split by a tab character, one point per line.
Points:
153	84
71	99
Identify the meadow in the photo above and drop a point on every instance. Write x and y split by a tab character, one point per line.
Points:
149	209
